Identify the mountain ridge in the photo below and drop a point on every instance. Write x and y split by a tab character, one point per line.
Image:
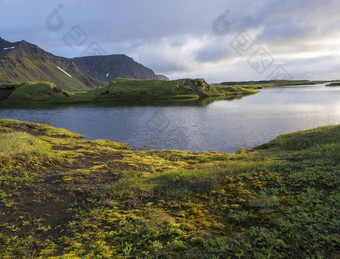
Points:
110	67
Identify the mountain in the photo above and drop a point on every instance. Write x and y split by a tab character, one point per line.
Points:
23	61
110	67
162	77
6	46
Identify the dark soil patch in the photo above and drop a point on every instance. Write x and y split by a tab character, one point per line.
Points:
57	192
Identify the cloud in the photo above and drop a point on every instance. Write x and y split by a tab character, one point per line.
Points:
214	49
168	55
176	37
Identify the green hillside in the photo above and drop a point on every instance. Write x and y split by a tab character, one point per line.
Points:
42	92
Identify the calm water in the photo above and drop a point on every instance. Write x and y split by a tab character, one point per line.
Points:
221	125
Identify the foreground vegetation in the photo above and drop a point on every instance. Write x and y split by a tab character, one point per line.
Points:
120	90
63	196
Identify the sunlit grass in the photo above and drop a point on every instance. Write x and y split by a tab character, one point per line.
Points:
20	143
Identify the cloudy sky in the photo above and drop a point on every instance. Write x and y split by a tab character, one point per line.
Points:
219	40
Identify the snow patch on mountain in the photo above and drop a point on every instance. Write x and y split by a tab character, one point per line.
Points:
64	72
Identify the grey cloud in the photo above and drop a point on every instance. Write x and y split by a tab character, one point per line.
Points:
215	49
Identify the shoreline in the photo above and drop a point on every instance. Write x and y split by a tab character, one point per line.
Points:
134	91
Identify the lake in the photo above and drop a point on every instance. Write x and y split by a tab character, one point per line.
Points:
223	125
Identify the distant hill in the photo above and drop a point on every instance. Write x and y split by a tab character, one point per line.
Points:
111	67
23	61
162	77
334	84
6	47
273	82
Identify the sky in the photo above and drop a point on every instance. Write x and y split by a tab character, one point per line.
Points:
219	40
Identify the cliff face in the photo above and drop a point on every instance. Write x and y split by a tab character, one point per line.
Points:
110	67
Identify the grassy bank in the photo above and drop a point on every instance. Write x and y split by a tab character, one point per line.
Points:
133	89
41	92
121	90
63	196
